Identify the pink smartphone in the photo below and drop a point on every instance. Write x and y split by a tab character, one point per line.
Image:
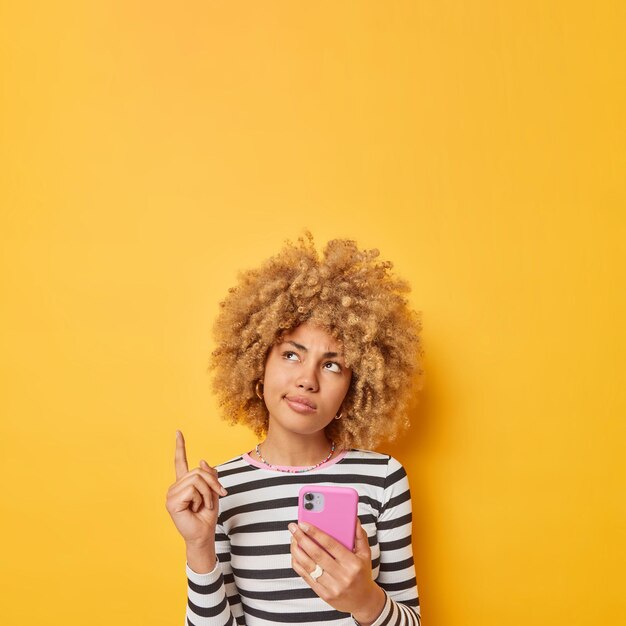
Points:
331	509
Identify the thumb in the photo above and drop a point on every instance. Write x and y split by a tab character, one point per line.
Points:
361	543
214	500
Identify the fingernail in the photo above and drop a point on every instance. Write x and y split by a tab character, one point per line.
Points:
303	526
292	528
223	491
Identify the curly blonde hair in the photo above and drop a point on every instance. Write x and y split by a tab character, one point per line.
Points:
349	294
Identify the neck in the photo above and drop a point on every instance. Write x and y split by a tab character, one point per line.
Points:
295	450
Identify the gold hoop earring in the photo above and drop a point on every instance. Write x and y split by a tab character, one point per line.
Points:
258	392
338	417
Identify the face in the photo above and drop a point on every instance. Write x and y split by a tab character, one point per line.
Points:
305	380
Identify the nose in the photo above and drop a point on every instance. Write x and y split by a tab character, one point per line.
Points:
307	380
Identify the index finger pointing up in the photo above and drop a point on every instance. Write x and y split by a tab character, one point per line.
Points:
180	456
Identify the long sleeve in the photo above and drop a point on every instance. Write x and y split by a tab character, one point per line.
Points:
212	599
397	571
254	583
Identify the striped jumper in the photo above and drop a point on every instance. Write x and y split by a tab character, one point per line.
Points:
253	582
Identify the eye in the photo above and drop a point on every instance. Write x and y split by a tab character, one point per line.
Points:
332	366
290	355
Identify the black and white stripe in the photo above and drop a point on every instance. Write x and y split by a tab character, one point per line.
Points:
254	583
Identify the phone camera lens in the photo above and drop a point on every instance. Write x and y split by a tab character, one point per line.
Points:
308	506
309	496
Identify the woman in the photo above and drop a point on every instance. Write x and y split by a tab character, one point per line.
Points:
319	356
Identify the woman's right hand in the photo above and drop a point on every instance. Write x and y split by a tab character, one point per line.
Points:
193	500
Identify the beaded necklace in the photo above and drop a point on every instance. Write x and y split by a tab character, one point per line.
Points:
295	471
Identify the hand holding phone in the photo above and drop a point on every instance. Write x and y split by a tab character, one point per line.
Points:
331	509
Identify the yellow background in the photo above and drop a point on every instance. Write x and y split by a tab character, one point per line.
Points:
150	150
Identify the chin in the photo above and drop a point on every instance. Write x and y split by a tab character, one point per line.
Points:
299	426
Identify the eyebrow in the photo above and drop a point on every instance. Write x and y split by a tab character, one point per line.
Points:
326	355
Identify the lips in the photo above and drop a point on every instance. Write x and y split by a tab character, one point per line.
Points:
301	404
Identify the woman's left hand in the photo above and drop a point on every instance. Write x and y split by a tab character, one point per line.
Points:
346	582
